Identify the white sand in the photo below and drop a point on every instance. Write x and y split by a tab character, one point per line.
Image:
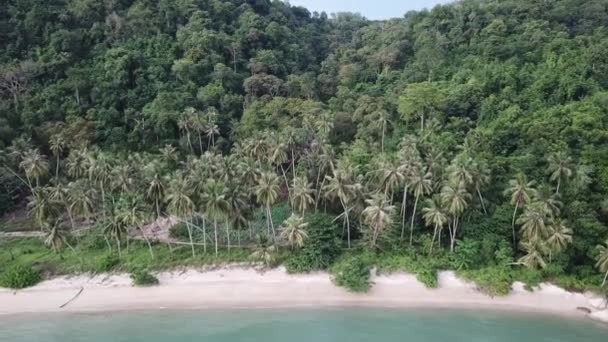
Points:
247	288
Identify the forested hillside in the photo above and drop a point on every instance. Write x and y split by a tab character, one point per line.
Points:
472	136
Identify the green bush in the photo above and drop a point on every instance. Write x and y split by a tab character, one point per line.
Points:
143	278
19	277
107	263
427	276
353	272
493	280
321	248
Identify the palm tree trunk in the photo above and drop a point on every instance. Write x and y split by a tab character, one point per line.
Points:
147	241
605	278
347	220
559	181
204	235
513	226
413	216
453	237
200	143
250	230
383	131
483	205
190	237
433	240
118	245
227	233
286	183
57	167
215	232
274	235
293	164
403	209
107	243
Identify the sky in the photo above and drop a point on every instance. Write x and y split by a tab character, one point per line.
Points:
372	9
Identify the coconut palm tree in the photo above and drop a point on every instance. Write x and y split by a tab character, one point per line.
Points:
435	216
390	177
294	231
559	236
81	199
54	238
602	260
78	163
179	202
455	198
461	170
216	206
34	165
560	168
277	157
57	145
378	215
533	222
156	187
534	254
302	193
382	122
122	179
41	206
521	191
342	186
267	193
421	183
116	229
480	175
133	212
549	200
99	172
264	250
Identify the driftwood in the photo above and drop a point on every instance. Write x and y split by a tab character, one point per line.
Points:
72	299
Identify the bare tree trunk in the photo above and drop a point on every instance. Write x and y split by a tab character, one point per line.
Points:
215	232
483	205
413	216
227	233
403	209
513	226
190	237
286	183
274	235
433	240
347	221
204	235
147	241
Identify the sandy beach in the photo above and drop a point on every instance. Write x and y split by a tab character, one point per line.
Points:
237	287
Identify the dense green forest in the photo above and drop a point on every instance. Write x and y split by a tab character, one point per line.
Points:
473	136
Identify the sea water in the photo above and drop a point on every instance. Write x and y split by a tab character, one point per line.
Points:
295	325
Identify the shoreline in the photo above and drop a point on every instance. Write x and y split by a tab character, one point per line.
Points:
247	288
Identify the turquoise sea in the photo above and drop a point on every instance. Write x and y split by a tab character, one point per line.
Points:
319	325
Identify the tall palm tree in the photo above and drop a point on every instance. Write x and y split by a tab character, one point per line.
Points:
132	212
455	198
54	238
77	163
559	236
410	158
116	229
294	231
57	145
302	193
461	170
390	177
602	260
435	216
378	215
81	199
382	122
278	156
560	168
533	222
34	165
264	250
41	206
421	183
100	170
179	202
521	191
549	200
122	179
216	206
534	254
480	175
267	193
156	188
341	185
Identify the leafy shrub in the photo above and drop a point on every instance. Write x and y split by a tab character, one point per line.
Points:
107	263
179	232
530	278
143	278
493	280
427	276
19	277
353	272
320	249
466	255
